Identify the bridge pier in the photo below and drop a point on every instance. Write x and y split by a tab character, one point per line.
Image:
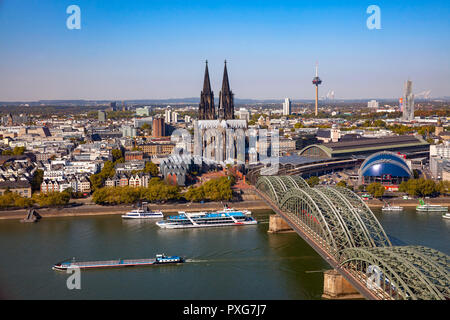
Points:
337	288
277	224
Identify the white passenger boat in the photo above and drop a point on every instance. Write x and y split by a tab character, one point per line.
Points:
388	207
446	216
227	209
425	207
143	213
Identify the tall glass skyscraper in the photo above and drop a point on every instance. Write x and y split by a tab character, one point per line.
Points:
287	107
408	102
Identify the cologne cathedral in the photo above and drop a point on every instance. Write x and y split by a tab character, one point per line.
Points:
218	136
207	110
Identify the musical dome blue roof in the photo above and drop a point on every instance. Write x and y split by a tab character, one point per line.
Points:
385	163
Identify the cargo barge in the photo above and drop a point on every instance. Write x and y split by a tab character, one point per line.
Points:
158	260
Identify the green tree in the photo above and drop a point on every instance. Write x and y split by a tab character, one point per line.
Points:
7	152
108	170
156	191
96	181
443	187
151	168
428	187
12	199
146	128
117	156
17	151
379	123
37	179
51	199
194	194
100	195
313	181
376	189
420	187
213	190
342	183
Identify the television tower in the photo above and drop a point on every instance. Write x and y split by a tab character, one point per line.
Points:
316	81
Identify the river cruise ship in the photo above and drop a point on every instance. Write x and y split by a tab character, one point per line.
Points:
206	219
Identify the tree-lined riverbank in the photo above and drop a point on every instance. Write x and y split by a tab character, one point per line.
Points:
93	209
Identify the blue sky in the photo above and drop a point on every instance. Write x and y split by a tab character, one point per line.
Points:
156	49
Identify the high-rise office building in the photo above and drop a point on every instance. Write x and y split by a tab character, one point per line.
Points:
168	115
287	107
408	102
101	116
128	131
174	117
158	129
373	104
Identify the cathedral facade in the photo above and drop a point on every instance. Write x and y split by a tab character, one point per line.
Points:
218	137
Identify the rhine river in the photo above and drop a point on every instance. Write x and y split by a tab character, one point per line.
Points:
224	263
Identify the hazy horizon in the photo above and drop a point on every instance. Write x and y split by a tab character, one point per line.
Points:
188	100
155	50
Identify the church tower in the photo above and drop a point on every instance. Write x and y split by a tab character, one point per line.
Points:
206	110
226	103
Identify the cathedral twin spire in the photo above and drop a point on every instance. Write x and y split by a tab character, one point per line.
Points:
207	110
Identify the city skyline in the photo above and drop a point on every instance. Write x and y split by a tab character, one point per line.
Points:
149	50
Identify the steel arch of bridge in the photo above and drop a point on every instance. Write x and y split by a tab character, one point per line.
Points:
276	186
349	221
297	202
345	227
270	186
371	223
355	225
404	272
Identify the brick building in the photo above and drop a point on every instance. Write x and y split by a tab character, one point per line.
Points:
134	155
